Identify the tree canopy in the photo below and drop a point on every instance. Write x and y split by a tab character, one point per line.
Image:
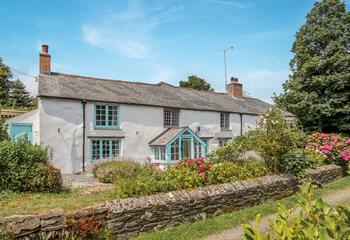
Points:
196	83
318	89
5	83
13	93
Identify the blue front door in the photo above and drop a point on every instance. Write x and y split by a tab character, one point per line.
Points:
18	130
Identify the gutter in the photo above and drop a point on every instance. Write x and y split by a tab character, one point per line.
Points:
241	118
83	104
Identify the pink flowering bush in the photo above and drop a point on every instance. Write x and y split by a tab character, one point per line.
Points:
335	148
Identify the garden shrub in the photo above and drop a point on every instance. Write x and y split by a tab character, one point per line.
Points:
226	172
275	137
26	167
149	181
113	171
309	219
335	148
188	174
299	160
233	150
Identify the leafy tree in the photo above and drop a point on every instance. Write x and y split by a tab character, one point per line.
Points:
19	95
196	83
3	129
5	83
318	90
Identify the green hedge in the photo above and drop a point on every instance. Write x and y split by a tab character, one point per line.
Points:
26	167
187	174
112	171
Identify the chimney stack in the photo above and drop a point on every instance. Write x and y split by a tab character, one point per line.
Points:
234	89
45	60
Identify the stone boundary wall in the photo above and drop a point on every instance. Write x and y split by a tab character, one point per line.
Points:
128	217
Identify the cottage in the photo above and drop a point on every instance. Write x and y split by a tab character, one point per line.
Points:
86	119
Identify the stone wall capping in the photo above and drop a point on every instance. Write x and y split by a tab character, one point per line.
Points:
132	216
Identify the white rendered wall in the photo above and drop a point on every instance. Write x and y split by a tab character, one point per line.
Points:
31	117
250	122
61	129
209	123
138	126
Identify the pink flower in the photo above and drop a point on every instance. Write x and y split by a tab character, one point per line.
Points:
200	169
327	147
347	141
325	151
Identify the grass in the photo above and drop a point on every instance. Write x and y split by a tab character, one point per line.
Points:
199	229
24	203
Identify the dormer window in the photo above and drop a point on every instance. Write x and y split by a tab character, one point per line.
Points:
225	121
171	117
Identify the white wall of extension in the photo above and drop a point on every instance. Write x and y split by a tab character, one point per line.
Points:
60	126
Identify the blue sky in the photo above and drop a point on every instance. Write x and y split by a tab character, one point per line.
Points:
154	40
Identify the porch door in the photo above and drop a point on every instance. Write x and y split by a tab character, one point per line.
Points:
186	148
18	130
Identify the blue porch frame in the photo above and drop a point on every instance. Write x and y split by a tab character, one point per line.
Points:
196	147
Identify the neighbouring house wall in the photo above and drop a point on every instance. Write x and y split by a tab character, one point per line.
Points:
31	117
132	216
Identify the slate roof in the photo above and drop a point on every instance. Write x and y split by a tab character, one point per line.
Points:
165	137
59	85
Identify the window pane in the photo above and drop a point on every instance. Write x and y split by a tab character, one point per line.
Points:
95	150
167	118
171	117
224	120
115	148
105	149
156	153
175	151
222	142
162	153
113	116
175	118
100	115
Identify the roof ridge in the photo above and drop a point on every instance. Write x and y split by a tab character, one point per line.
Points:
97	78
131	82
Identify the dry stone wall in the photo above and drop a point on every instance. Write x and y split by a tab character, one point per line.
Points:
127	217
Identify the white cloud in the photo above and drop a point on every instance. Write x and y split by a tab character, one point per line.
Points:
129	32
230	3
125	44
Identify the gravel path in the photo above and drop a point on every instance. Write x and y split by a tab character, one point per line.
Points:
236	233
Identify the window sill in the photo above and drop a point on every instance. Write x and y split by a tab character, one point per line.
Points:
107	128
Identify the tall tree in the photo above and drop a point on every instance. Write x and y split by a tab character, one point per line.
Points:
19	95
5	83
318	89
196	83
